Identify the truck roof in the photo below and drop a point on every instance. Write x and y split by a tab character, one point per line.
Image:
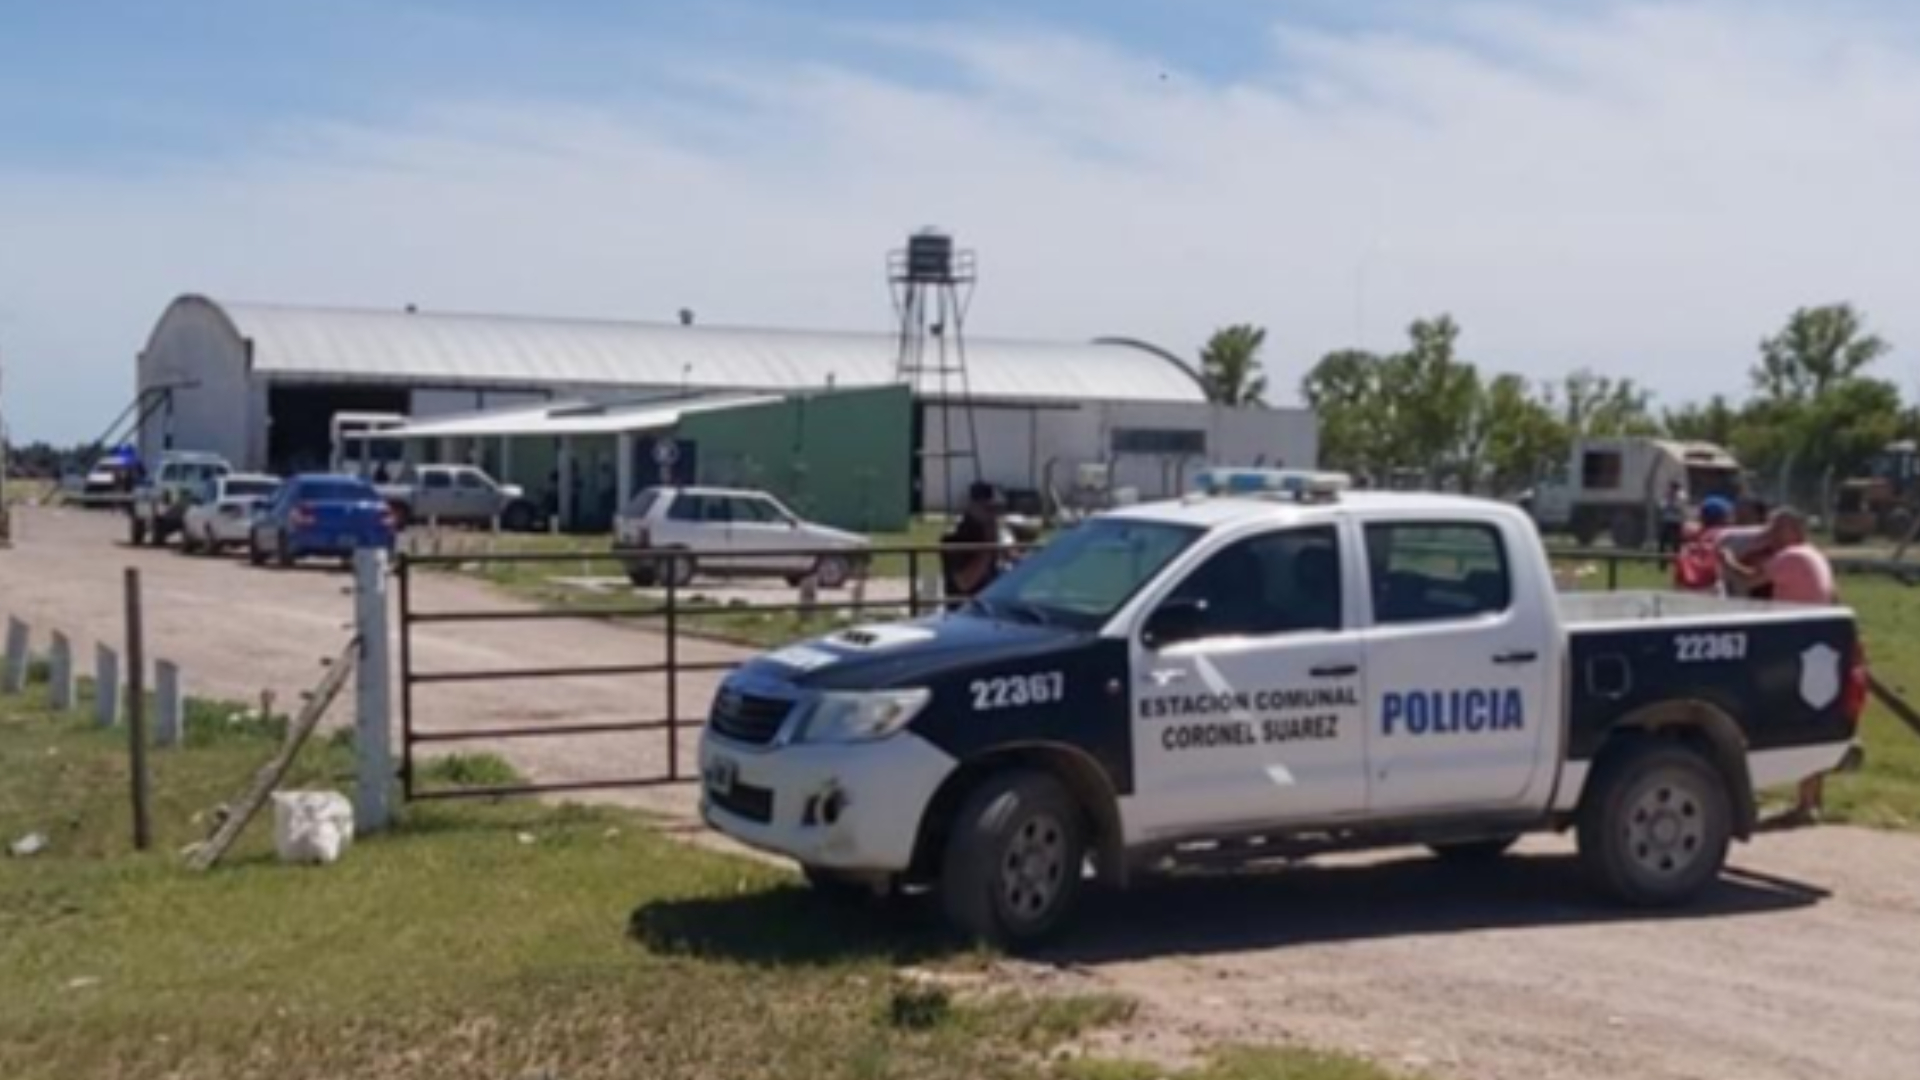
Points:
1214	511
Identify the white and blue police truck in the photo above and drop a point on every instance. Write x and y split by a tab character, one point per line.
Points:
1269	677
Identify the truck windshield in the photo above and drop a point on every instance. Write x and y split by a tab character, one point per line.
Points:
1083	577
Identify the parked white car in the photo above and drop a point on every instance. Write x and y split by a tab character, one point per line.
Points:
727	532
222	514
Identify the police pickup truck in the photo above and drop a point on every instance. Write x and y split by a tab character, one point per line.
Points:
1269	677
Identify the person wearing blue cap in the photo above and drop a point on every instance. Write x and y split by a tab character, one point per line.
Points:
1696	566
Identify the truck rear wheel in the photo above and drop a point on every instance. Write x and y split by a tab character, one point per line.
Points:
1654	829
1013	863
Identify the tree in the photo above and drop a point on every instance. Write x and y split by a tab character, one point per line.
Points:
1343	390
1817	415
1600	405
1819	348
1430	396
1411	410
1524	436
1716	422
1230	365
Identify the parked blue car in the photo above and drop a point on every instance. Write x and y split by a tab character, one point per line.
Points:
320	514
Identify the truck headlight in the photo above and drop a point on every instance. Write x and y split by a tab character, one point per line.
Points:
861	717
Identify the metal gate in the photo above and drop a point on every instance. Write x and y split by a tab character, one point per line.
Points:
675	614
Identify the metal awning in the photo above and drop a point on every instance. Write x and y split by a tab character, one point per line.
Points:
568	418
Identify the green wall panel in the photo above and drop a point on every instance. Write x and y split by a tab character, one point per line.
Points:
843	457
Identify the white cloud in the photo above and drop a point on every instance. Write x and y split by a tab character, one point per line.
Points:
1646	189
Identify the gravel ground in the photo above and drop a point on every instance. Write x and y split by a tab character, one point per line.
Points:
237	630
1803	963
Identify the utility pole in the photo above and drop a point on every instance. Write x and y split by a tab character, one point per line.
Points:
6	458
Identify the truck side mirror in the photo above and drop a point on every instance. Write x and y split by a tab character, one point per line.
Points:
1178	619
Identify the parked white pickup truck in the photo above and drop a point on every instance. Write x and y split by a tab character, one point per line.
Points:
1256	677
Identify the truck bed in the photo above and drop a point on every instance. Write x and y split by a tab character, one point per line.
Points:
1779	671
1638	608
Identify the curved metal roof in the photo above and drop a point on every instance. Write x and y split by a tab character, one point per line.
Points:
434	346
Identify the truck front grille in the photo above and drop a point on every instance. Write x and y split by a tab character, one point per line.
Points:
748	718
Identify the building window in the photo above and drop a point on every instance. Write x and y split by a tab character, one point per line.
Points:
1600	470
1159	441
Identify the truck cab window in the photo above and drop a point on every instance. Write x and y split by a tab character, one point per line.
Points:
1279	583
1423	572
435	480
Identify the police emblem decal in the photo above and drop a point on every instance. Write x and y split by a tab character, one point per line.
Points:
1819	676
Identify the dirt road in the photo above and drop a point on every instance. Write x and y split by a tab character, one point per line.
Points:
237	630
1805	963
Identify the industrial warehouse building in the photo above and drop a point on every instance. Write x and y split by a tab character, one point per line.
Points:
261	383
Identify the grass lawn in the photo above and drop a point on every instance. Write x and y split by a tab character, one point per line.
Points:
517	941
740	624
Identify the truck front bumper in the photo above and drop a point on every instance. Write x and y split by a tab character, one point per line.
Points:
854	807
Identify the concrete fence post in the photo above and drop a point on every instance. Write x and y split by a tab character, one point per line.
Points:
170	705
14	679
933	586
373	697
60	673
106	686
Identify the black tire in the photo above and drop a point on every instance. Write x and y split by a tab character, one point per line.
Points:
1655	826
188	545
282	552
832	571
136	531
643	575
517	517
1899	522
255	555
1012	869
1473	851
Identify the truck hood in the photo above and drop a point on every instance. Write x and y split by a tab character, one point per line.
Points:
885	655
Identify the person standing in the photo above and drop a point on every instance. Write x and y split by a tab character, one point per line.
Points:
968	572
1696	566
1741	548
1673	517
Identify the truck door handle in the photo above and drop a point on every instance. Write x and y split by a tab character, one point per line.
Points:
1334	671
1516	657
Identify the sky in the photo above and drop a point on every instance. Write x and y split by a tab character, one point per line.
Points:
1645	189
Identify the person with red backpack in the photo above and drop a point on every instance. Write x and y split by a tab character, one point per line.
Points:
1696	567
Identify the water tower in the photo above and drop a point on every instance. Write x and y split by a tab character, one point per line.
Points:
932	284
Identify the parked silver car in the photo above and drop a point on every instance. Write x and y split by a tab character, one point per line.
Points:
222	512
729	532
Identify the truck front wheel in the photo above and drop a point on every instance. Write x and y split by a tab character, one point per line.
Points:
517	517
1654	830
1012	869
